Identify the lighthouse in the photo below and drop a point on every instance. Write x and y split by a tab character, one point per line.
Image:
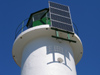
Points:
49	45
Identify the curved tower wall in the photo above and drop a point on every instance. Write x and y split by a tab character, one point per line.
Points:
47	56
38	53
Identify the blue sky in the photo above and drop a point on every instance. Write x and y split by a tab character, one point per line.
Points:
85	14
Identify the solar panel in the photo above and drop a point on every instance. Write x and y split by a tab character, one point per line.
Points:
62	26
59	6
59	12
60	17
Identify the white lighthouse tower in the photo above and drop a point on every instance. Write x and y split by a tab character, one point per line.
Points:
49	45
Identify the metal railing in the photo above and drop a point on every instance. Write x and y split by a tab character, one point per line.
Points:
22	27
75	29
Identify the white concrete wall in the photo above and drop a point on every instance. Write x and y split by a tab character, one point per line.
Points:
47	56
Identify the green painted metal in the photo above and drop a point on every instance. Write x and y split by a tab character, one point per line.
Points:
64	39
41	22
38	12
62	31
68	36
57	33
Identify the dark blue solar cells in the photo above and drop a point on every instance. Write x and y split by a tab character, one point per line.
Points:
59	6
59	12
62	26
61	19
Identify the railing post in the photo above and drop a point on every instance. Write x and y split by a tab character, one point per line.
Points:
46	19
68	35
57	33
22	26
33	19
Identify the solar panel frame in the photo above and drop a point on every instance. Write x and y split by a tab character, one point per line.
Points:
71	21
72	30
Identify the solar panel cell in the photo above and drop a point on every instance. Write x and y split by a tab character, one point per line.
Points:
59	6
62	26
61	19
59	12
